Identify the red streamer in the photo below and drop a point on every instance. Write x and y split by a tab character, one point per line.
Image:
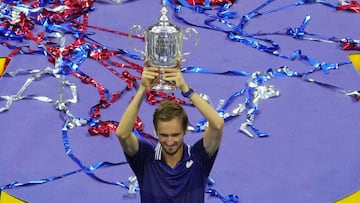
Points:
354	6
212	2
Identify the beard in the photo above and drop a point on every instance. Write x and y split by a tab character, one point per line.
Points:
171	151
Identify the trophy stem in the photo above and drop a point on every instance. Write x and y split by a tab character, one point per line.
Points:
161	85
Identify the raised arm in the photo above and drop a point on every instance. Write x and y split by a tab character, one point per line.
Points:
213	132
127	139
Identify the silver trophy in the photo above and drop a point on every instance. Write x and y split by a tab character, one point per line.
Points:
163	47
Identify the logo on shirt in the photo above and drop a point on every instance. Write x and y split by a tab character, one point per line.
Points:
189	163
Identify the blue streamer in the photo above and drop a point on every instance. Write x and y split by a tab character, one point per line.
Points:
237	33
87	170
226	199
192	69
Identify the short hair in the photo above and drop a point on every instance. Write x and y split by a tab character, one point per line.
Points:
167	110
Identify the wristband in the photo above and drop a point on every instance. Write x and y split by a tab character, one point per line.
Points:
188	94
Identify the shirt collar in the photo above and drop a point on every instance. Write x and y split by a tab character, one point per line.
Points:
158	152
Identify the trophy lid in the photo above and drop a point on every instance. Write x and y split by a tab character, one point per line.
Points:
164	25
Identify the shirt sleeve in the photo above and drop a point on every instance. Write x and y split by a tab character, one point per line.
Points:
206	160
137	161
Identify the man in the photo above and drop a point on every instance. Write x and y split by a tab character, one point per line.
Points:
171	171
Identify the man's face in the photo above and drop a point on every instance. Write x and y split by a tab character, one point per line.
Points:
171	135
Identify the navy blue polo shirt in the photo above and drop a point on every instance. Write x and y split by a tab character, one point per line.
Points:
159	183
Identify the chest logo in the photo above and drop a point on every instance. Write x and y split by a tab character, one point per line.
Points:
189	163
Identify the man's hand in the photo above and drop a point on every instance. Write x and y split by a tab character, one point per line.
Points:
149	74
175	74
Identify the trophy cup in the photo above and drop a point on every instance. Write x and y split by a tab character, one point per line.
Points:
163	47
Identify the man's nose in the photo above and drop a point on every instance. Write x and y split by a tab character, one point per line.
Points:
170	140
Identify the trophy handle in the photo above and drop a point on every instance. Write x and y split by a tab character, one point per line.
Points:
188	32
136	29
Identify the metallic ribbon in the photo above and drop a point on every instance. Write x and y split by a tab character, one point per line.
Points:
238	34
93	167
257	90
37	75
226	199
207	3
88	170
353	6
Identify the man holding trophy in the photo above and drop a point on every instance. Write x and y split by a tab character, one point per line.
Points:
171	171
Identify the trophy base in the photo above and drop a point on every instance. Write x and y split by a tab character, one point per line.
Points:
163	64
163	87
